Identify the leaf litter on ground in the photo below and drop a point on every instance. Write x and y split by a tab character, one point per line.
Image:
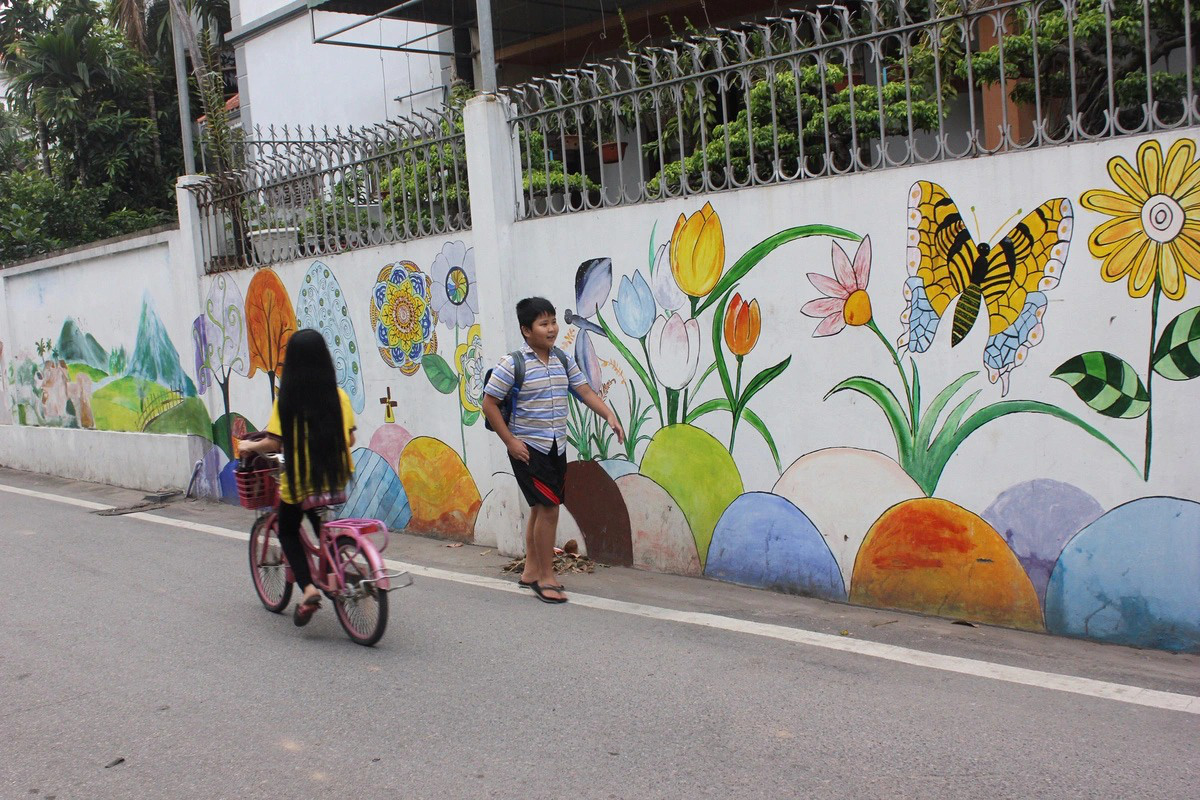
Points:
566	559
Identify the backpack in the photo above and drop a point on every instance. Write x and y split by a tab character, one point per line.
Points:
518	357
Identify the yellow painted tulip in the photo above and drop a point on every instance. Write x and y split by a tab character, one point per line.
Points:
743	324
698	251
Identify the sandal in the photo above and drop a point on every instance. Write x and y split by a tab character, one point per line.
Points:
529	585
304	611
540	591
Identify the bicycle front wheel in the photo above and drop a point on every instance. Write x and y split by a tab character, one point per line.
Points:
362	608
267	565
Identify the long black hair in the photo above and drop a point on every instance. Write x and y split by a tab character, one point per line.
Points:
310	414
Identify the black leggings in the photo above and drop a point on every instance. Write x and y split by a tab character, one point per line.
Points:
290	517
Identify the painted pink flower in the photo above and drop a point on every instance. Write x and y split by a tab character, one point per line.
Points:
846	301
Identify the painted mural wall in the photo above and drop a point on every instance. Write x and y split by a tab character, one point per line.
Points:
962	389
92	344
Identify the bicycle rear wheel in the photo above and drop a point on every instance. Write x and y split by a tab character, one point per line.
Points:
362	608
268	568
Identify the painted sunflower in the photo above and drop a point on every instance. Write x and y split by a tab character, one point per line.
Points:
1154	234
402	316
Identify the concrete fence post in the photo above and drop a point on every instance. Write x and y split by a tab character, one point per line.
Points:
491	167
187	261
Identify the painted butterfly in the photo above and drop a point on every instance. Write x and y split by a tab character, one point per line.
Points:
1006	278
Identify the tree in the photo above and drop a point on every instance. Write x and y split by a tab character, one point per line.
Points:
1079	45
224	338
130	17
270	323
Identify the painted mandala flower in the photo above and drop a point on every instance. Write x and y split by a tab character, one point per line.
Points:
402	316
469	358
1154	233
454	289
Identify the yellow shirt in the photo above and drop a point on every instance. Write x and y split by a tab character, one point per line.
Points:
276	427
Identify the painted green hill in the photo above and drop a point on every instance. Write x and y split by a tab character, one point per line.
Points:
155	357
76	346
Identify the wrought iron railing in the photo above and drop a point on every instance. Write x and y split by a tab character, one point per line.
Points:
851	88
303	192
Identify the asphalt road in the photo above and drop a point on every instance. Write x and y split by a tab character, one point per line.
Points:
126	639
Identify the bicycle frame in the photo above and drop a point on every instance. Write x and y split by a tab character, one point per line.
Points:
327	573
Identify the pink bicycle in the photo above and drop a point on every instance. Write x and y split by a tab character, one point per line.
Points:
343	554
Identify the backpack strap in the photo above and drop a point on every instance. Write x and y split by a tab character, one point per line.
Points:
518	357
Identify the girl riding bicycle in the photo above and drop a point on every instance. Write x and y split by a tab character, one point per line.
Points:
312	422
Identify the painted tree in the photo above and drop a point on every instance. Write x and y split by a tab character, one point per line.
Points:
270	323
225	347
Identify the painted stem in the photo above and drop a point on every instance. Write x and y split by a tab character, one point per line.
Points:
643	376
1149	379
912	412
650	367
462	429
737	396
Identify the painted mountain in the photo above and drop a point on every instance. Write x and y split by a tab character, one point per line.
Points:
155	357
76	347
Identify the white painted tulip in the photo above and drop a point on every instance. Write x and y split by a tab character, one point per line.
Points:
674	346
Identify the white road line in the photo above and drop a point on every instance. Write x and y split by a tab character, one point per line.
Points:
1105	690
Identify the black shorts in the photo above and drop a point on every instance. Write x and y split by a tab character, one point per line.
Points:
542	479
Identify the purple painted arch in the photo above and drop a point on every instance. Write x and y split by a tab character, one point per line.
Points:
1037	519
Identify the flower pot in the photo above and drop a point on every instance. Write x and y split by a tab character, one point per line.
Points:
274	244
612	152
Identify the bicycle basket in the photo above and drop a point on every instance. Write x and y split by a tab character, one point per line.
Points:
257	488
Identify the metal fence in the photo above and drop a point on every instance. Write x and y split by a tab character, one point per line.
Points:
851	88
302	192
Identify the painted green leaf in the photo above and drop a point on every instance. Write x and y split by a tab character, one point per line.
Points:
469	418
760	251
1106	383
439	373
885	398
717	342
925	428
756	422
1177	356
722	404
717	404
759	381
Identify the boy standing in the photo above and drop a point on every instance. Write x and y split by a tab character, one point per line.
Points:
536	433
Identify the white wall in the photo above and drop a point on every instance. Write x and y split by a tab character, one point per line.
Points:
143	461
1085	313
474	500
291	80
104	290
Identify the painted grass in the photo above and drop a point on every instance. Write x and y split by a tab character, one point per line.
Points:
190	416
85	369
117	406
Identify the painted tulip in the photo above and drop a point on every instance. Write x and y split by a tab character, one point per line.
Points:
588	361
698	251
635	306
674	347
666	291
743	324
593	284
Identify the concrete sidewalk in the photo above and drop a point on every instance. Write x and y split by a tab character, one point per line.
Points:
1149	669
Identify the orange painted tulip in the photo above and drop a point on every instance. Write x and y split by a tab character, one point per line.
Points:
743	324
